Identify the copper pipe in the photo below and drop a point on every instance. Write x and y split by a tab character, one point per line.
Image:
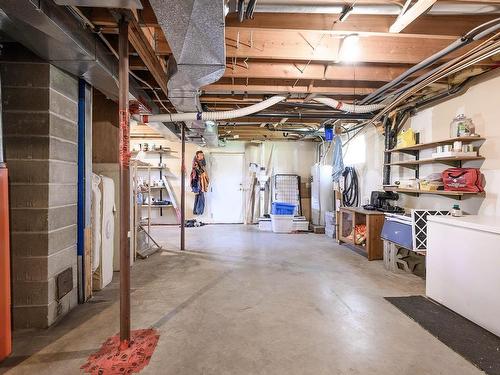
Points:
183	187
124	141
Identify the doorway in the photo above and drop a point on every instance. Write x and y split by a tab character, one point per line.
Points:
226	187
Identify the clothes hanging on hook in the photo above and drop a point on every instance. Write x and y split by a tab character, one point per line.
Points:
199	182
338	160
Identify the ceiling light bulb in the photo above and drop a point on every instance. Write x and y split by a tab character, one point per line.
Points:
349	50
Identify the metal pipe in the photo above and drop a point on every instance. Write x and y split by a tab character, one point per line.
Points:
183	187
395	8
423	77
286	7
124	139
240	10
387	155
317	115
448	94
468	38
250	9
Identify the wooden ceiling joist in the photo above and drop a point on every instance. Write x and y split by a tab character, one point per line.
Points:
147	54
305	46
298	55
314	70
426	26
283	89
411	14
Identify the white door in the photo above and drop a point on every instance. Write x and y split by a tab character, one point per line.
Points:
226	187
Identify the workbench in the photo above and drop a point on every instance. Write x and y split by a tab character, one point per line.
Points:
374	220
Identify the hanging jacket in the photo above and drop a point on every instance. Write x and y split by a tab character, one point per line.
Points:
199	176
338	160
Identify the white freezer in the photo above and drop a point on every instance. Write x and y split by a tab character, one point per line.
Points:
463	267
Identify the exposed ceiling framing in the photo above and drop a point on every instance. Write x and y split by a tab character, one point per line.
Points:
299	54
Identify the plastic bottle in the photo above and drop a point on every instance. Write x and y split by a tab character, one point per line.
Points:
456	211
461	126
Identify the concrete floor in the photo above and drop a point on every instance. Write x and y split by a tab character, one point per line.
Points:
246	302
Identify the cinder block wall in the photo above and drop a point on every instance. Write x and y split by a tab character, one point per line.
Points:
40	127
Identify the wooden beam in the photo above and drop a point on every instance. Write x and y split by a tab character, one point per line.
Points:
278	88
314	70
411	15
136	63
435	26
345	83
308	46
147	54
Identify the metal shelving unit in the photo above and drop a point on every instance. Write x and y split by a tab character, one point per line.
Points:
455	161
143	223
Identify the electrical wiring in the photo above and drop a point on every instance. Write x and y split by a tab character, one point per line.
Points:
98	32
154	91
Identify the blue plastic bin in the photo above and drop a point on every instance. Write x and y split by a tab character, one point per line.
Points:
282	208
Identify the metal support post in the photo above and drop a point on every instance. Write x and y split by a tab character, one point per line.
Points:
183	187
124	142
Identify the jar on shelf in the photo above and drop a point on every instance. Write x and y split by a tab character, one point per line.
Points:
462	126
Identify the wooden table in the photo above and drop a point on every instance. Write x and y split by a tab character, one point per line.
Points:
374	220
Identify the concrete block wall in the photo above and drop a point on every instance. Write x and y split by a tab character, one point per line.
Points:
40	128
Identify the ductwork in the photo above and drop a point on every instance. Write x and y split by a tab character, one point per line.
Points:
349	108
195	32
53	33
211	116
118	4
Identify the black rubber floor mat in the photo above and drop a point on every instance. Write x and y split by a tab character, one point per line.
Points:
477	345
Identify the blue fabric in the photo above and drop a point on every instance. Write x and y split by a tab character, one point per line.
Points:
338	160
199	204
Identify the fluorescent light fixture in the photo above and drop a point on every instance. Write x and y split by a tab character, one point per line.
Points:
344	13
349	48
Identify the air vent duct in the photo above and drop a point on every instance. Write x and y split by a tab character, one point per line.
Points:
195	32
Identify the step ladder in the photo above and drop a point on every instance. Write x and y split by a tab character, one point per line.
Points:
172	198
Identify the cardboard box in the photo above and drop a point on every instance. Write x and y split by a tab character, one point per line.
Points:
305	188
306	207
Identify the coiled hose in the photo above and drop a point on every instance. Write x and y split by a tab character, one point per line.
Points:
350	194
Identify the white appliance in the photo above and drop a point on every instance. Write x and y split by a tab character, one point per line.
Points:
103	231
112	170
463	260
321	192
95	219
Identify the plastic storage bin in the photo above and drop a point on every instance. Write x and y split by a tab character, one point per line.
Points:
282	208
265	225
282	223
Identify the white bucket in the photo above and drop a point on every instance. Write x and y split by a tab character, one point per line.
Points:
282	223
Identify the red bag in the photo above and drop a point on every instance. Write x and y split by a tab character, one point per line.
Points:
463	179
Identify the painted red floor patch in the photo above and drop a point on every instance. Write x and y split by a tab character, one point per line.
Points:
110	360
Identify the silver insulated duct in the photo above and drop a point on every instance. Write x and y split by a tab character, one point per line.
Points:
195	32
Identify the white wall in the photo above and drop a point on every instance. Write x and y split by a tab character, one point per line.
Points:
481	103
288	157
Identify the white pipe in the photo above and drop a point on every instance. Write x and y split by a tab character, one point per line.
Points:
304	6
213	116
350	108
